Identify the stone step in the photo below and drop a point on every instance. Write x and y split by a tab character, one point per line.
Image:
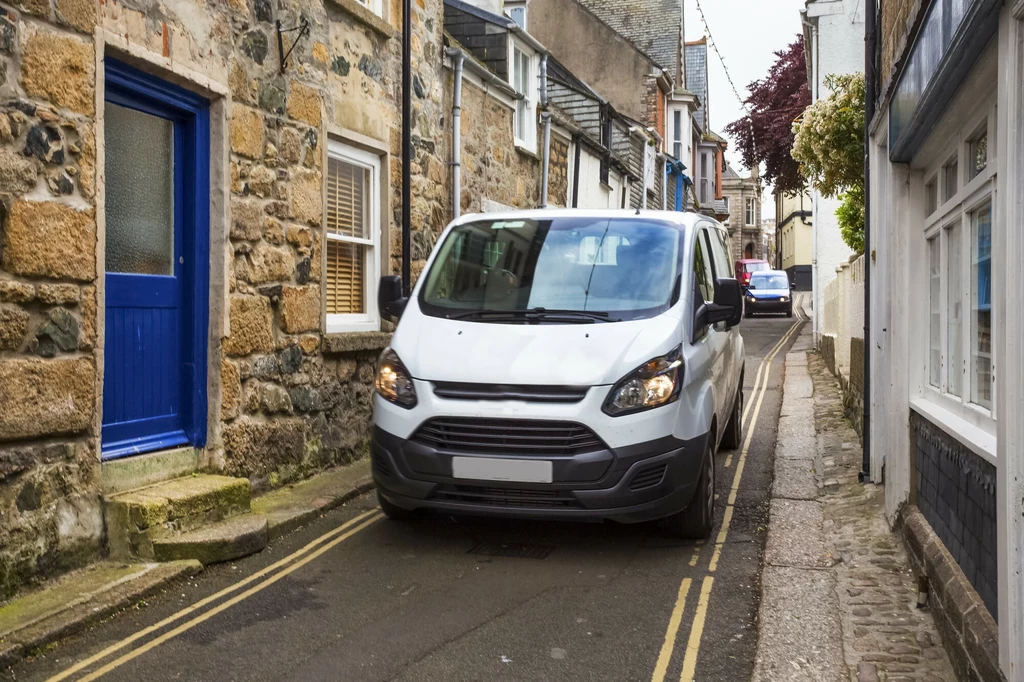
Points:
226	540
138	518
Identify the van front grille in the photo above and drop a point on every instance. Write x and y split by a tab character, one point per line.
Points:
505	497
507	436
535	394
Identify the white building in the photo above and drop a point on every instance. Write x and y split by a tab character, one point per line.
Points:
834	44
946	339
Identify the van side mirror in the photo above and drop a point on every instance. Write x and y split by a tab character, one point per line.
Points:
390	302
727	306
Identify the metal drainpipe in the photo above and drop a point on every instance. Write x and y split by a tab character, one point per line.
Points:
545	116
459	56
406	147
576	174
870	37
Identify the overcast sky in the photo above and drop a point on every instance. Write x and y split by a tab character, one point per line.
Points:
748	33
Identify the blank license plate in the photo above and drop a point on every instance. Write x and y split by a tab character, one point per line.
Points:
489	469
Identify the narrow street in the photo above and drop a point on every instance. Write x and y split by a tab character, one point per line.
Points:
354	596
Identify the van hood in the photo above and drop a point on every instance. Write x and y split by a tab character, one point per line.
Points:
436	349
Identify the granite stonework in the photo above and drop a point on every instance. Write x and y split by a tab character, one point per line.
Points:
286	398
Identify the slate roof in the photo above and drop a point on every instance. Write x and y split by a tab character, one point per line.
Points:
697	77
483	33
654	26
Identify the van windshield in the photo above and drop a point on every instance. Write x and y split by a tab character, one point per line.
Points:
595	269
755	267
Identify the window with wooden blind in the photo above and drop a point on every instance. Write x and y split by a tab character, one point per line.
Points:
352	238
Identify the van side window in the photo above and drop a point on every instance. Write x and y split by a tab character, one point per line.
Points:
720	250
702	272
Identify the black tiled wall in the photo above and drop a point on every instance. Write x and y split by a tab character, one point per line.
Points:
956	492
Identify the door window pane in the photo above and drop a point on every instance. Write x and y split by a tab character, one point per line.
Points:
934	310
139	192
954	311
981	306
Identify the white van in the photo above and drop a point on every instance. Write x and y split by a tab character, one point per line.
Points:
563	364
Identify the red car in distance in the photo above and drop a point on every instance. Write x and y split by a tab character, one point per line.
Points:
748	265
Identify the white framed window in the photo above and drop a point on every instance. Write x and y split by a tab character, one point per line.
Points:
352	238
749	217
516	11
958	233
523	76
677	134
375	6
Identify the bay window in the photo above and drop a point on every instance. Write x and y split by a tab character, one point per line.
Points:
958	243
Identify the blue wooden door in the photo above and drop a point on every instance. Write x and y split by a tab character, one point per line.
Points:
156	262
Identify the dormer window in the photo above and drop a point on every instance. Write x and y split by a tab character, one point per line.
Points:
523	77
516	11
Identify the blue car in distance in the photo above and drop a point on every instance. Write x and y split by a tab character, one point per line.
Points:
768	292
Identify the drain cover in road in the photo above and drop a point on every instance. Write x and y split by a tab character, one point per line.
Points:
514	551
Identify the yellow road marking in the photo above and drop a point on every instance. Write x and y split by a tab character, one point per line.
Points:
720	542
765	362
697	627
188	625
81	665
737	477
670	636
696	631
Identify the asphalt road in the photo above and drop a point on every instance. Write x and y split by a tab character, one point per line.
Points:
468	599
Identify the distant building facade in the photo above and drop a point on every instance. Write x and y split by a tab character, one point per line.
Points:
743	198
794	230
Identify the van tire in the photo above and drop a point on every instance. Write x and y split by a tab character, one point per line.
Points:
394	512
733	436
698	519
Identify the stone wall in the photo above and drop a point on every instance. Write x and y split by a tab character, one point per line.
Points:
898	18
493	168
558	172
50	515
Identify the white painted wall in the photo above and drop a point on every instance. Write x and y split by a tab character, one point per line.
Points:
1007	254
593	192
836	31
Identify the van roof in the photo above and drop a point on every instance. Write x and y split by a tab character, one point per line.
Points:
680	218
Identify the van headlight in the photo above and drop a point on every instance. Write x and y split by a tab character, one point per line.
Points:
652	384
394	383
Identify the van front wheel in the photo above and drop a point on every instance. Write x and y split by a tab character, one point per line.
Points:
697	520
733	435
394	512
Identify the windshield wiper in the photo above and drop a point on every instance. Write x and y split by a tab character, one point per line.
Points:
539	314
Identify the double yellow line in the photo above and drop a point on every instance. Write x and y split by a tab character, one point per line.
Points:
700	615
288	564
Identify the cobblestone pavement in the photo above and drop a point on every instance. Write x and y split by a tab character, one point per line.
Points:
885	637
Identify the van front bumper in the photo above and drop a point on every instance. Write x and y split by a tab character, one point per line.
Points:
632	484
